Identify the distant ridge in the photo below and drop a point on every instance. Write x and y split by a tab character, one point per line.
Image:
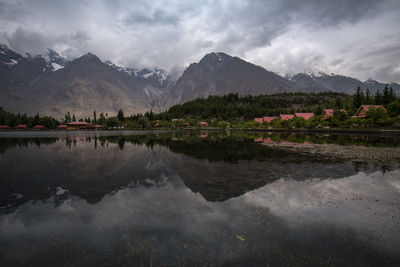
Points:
310	82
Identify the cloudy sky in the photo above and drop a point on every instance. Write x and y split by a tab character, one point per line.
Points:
349	37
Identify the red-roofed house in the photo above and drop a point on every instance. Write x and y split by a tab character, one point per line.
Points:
62	127
286	117
4	127
363	109
259	120
268	141
203	123
89	126
305	116
21	127
269	119
77	125
327	113
39	127
258	140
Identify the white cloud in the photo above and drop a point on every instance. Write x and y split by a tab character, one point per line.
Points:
355	38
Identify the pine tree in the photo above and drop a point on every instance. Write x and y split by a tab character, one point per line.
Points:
386	99
36	119
392	95
94	116
378	98
67	117
120	115
368	98
338	103
358	98
102	119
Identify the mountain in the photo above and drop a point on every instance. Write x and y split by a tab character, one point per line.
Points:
53	86
219	74
157	77
319	82
374	85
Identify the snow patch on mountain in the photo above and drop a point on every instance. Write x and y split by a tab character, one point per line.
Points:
156	75
12	62
56	66
220	56
54	61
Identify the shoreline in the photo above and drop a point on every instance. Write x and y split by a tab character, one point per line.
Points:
376	132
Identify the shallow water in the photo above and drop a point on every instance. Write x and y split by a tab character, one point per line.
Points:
194	198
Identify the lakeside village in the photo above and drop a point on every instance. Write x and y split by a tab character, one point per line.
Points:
282	111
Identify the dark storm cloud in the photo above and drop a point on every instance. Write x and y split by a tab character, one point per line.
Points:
284	36
157	17
28	41
331	13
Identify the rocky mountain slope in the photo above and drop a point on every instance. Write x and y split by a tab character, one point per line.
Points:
219	74
52	85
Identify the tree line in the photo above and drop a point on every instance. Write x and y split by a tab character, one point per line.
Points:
227	108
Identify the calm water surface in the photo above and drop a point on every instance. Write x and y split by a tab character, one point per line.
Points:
194	199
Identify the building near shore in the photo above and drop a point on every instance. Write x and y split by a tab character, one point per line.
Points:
363	109
259	120
39	127
4	127
77	125
305	116
269	119
328	112
21	127
285	117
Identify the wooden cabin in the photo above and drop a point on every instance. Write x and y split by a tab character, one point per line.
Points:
285	117
21	127
305	116
363	109
39	127
77	125
328	112
269	119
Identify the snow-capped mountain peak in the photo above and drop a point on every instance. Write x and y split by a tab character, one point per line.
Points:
157	76
8	57
54	61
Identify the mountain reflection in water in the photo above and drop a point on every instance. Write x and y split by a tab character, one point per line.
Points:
218	167
193	198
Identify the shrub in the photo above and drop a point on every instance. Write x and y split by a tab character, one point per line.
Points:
394	108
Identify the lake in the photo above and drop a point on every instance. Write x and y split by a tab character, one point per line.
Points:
198	198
